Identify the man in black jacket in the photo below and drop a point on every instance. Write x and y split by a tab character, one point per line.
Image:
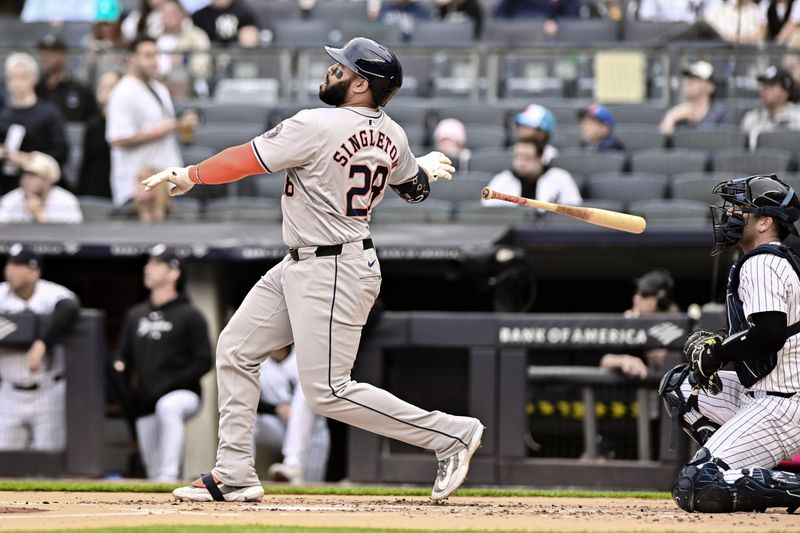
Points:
165	350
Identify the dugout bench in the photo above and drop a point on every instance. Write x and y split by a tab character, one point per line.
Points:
498	353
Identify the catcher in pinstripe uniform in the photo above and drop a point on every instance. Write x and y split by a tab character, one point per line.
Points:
748	419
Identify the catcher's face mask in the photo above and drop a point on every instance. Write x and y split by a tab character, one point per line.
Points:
737	197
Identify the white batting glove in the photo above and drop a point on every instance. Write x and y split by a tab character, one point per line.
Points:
178	176
437	166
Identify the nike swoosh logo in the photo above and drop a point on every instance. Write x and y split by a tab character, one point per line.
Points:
370	263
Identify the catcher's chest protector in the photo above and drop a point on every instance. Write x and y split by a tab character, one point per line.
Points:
752	370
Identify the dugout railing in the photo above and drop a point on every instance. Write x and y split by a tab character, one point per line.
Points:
424	357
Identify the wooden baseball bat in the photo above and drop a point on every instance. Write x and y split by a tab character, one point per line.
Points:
592	215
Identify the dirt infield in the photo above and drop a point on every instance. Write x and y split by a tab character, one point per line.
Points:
50	510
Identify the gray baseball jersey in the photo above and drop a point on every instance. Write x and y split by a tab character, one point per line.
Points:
338	163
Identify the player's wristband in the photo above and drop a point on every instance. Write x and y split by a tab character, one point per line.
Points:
194	175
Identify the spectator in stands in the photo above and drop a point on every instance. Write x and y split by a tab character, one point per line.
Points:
94	178
671	10
146	20
654	293
401	13
450	138
783	18
778	109
141	122
538	123
699	110
151	206
57	85
286	424
184	48
38	199
456	10
597	129
164	351
550	10
737	21
27	124
228	22
529	176
32	385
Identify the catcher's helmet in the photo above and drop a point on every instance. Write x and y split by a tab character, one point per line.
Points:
373	62
763	195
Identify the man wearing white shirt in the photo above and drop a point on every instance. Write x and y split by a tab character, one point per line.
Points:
670	10
531	178
38	199
141	122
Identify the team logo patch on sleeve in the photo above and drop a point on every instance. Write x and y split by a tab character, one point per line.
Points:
273	132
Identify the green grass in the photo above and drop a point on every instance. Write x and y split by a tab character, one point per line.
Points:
325	490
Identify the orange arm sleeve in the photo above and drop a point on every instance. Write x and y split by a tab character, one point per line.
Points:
231	164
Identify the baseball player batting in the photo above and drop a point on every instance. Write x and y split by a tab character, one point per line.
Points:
746	420
338	162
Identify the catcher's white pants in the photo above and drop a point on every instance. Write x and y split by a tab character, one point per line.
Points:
33	419
304	440
162	435
320	304
757	430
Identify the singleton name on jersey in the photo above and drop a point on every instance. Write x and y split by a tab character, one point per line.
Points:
362	139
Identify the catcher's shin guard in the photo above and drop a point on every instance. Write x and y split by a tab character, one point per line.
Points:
678	405
701	487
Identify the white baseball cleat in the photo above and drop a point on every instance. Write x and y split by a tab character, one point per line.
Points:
453	471
219	492
283	473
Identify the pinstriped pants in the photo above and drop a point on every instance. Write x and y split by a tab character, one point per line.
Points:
320	304
756	430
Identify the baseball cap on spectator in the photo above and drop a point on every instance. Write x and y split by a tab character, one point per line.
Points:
778	76
599	113
537	117
166	254
22	254
52	42
702	70
450	129
42	165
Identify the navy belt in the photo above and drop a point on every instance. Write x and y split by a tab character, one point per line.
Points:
771	393
333	249
34	386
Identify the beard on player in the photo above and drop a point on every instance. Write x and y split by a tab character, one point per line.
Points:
334	94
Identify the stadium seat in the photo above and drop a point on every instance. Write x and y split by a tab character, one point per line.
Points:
96	208
243	209
76	34
485	137
484	114
710	138
336	10
409	112
269	185
395	210
474	213
465	187
567	137
194	153
259	91
437	33
417	136
505	32
491	160
626	187
19	35
583	163
780	140
672	213
388	34
638	114
301	32
222	135
580	31
652	32
270	12
697	186
186	209
669	162
250	113
743	162
566	111
639	136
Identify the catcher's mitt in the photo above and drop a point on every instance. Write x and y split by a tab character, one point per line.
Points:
699	351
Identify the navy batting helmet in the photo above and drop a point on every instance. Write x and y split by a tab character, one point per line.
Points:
373	62
763	195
